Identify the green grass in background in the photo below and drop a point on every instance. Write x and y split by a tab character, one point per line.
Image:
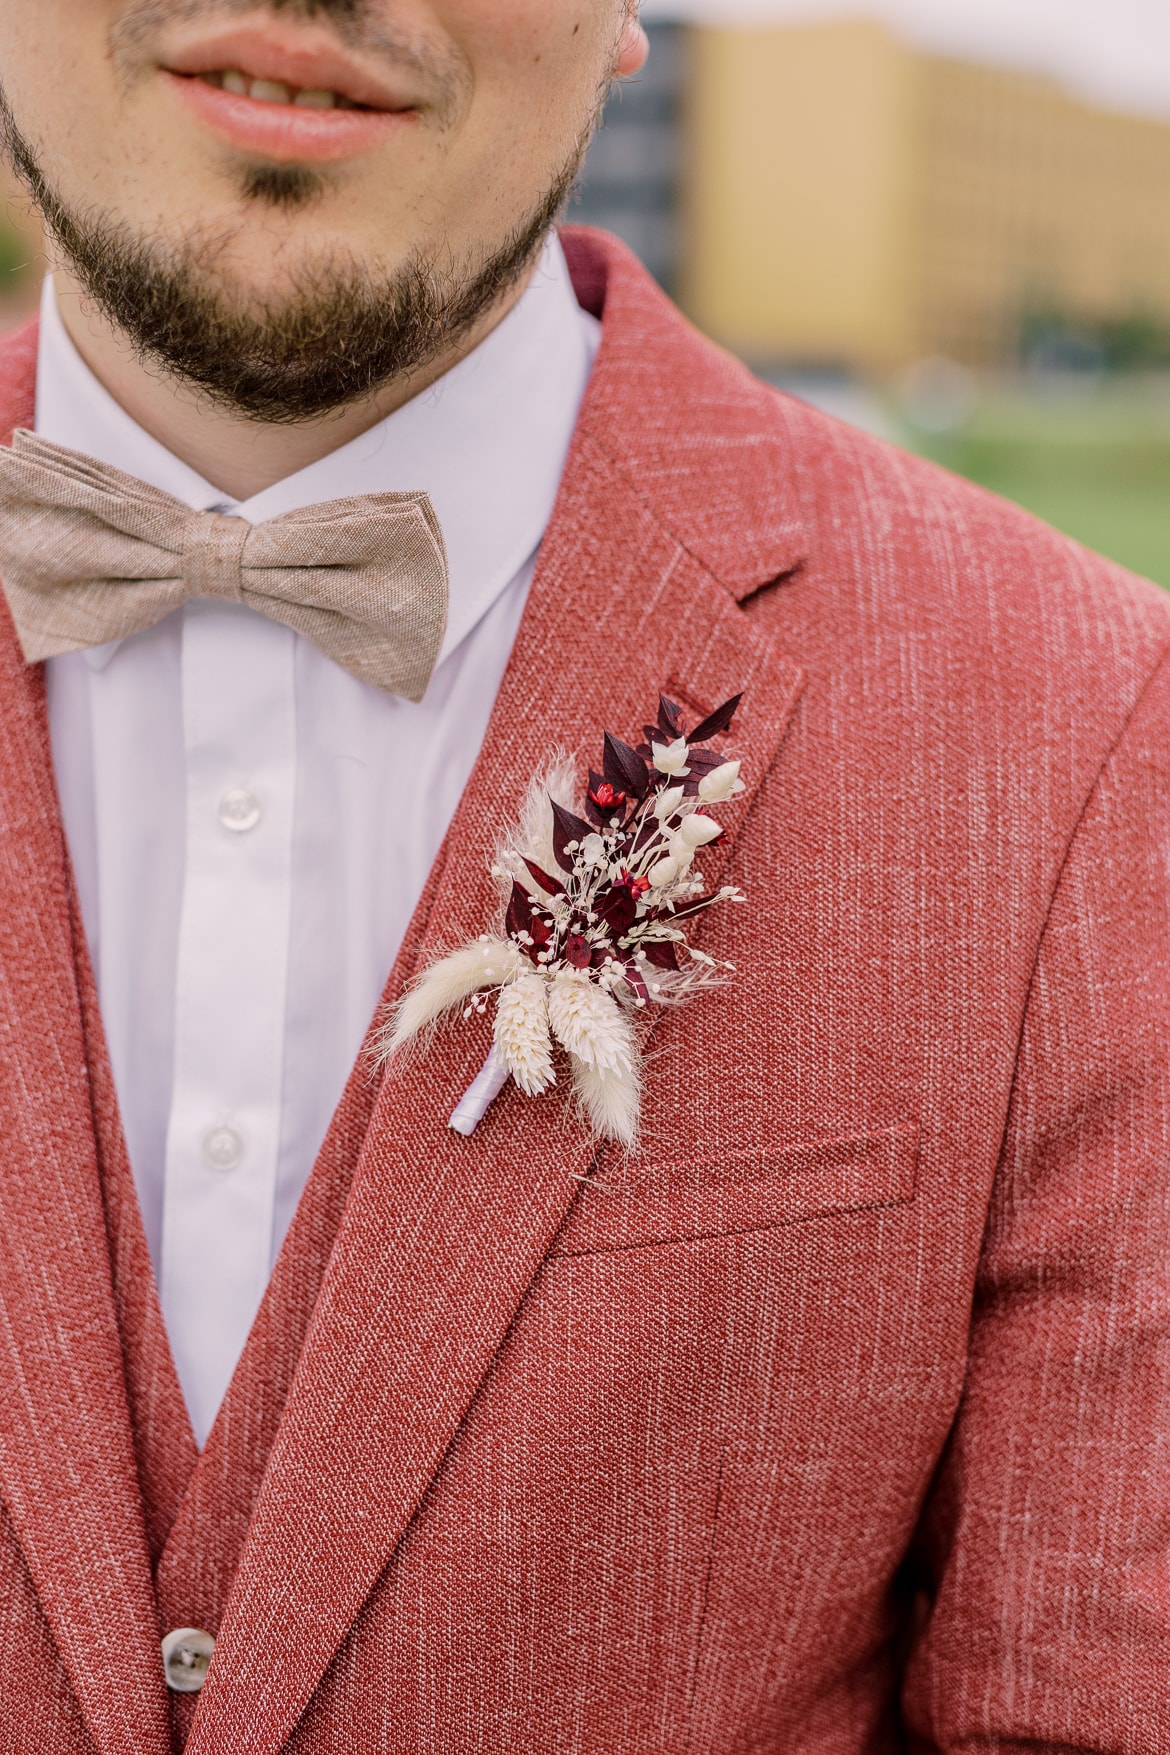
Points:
1092	460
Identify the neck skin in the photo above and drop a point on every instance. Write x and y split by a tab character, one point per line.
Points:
239	456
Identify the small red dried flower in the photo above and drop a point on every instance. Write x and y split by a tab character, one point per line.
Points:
607	796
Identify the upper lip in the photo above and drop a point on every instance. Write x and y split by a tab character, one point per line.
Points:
307	62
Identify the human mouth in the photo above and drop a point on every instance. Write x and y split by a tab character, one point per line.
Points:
287	98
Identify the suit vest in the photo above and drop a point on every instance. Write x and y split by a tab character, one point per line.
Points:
197	1505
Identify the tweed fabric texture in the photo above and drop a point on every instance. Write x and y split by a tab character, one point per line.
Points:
833	1419
90	554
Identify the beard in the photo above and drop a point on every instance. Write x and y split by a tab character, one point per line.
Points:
342	331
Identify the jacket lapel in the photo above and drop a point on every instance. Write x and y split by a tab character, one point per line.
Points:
67	1464
442	1236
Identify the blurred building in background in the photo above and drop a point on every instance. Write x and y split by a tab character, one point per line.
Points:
828	196
632	183
853	200
966	259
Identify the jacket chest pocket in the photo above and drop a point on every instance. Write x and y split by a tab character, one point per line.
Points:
632	1206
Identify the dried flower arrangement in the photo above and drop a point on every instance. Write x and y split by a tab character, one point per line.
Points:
595	914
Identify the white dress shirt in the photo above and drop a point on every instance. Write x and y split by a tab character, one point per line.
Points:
251	827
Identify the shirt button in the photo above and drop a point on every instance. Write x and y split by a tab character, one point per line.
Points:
239	810
223	1148
186	1654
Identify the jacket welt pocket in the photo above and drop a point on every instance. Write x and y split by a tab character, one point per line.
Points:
746	1191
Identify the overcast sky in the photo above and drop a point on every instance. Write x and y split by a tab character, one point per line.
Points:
1115	50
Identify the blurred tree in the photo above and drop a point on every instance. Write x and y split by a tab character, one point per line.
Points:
21	256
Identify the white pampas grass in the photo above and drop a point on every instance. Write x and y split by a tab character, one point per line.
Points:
521	1037
532	838
449	983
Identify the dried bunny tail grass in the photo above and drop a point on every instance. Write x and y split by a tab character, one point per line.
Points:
603	1053
611	1100
521	1039
532	836
448	983
590	1023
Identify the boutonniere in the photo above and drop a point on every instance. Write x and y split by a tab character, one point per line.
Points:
598	893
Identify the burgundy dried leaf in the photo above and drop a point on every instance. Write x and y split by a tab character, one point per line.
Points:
578	951
624	767
551	885
660	953
670	724
541	930
566	828
715	722
520	911
618	908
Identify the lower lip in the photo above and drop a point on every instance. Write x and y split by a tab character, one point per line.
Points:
285	131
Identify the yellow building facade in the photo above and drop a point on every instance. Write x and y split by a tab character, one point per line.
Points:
853	202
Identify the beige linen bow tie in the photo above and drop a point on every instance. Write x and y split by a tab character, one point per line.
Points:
88	554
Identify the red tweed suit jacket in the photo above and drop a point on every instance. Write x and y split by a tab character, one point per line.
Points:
833	1420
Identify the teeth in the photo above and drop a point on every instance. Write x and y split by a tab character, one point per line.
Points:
274	91
269	91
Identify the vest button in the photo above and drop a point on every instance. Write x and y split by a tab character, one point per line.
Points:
186	1654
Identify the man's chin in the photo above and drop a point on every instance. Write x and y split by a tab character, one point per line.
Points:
286	335
269	313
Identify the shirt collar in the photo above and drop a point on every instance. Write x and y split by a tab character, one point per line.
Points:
487	441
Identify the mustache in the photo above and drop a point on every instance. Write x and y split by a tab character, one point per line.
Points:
356	23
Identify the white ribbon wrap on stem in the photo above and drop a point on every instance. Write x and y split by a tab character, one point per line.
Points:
486	1086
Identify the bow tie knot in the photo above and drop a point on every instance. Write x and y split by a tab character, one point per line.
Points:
212	561
89	554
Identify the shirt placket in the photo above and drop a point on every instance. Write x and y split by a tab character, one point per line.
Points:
223	1138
